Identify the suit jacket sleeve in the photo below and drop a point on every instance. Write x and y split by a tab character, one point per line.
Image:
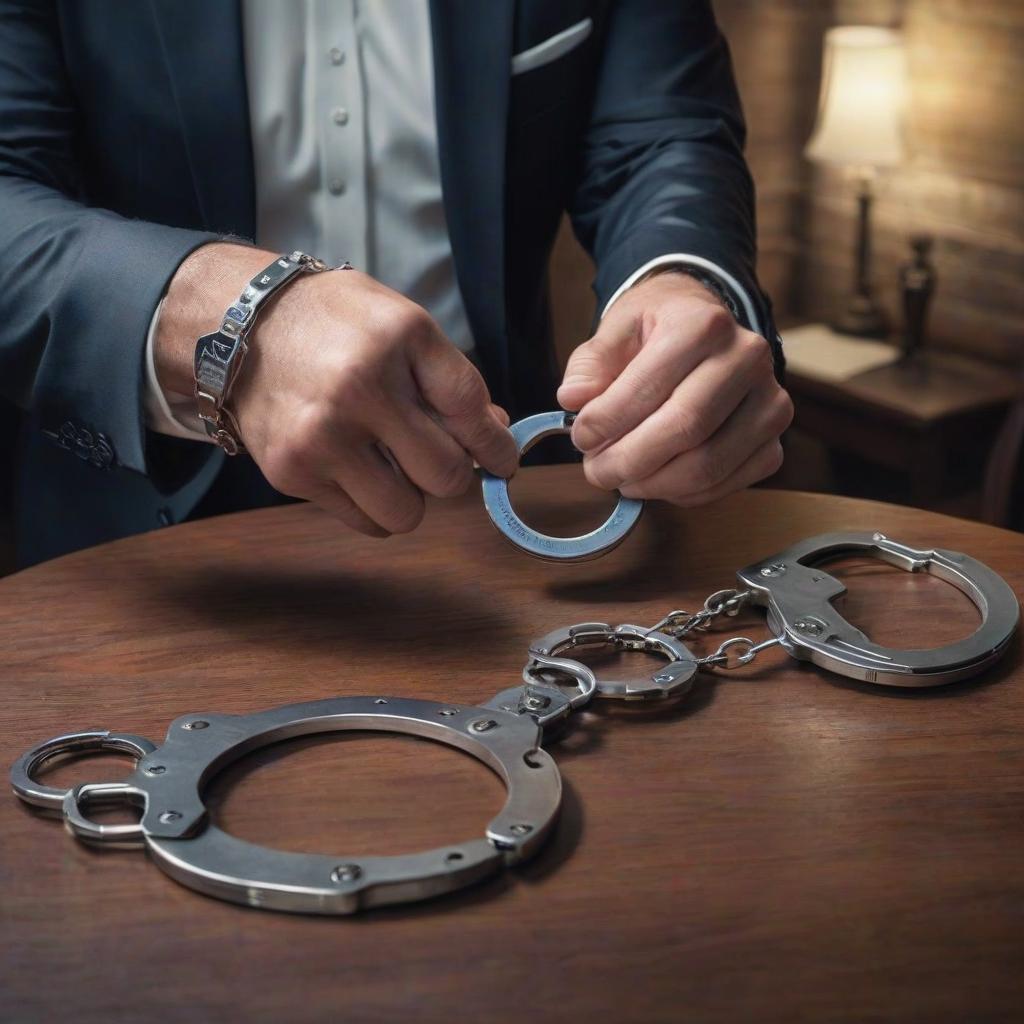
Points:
78	285
662	166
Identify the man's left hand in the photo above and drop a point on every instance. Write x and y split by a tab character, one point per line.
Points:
676	401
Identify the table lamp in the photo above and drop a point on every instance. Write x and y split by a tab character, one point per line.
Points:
859	127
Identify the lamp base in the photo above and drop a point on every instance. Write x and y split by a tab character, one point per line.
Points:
862	318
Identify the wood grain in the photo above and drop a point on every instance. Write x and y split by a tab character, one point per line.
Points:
785	845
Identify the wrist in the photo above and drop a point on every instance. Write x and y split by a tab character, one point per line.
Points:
683	281
205	284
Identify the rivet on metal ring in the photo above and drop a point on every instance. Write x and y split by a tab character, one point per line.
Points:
608	535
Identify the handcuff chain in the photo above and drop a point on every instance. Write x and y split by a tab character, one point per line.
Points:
722	659
729	602
681	623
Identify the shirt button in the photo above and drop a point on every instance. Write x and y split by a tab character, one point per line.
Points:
339	115
337	56
337	186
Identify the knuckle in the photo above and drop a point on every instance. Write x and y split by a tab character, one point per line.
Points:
645	388
602	473
706	469
686	427
710	322
453	478
283	468
776	457
355	385
718	320
467	394
399	321
404	516
782	411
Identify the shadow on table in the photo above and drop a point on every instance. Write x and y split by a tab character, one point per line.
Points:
335	611
636	571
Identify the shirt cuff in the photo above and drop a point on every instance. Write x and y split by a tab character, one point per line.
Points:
168	413
740	297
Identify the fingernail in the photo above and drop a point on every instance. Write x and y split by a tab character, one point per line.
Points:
565	389
584	437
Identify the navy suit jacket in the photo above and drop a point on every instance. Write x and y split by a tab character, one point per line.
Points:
124	145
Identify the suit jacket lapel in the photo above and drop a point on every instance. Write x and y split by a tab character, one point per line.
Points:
203	49
472	57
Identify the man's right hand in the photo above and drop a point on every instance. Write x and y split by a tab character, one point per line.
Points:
350	395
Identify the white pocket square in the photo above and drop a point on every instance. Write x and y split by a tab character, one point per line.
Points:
553	48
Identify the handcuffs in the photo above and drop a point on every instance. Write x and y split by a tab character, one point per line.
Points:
608	535
506	733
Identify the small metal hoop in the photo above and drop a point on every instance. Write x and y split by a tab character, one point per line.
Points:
672	680
51	798
104	793
607	536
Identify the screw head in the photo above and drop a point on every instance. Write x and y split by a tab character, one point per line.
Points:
483	725
775	569
381	700
447	713
198	724
155	769
346	873
521	830
663	677
535	701
809	626
168	816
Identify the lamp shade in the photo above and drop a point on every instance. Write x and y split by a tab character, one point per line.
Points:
860	112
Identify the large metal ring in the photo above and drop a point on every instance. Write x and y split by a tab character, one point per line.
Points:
608	535
672	680
798	595
169	782
49	797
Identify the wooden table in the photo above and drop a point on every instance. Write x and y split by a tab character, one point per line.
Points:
785	845
928	419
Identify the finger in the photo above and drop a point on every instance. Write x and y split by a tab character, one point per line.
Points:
381	490
452	386
500	415
760	420
338	503
698	406
597	362
763	463
670	353
429	456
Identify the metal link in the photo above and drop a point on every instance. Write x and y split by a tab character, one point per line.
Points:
680	623
722	658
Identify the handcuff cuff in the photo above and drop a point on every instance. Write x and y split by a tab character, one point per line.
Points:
608	535
506	733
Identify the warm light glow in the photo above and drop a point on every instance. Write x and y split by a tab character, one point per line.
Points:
860	113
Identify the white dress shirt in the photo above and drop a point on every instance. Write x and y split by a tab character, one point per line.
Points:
344	134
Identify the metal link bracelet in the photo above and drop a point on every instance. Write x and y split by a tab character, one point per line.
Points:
219	356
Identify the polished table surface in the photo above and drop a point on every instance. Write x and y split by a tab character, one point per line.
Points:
783	845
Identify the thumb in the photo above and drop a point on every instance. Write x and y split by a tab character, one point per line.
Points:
597	362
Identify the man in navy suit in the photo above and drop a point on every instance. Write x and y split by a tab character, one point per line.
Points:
154	156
